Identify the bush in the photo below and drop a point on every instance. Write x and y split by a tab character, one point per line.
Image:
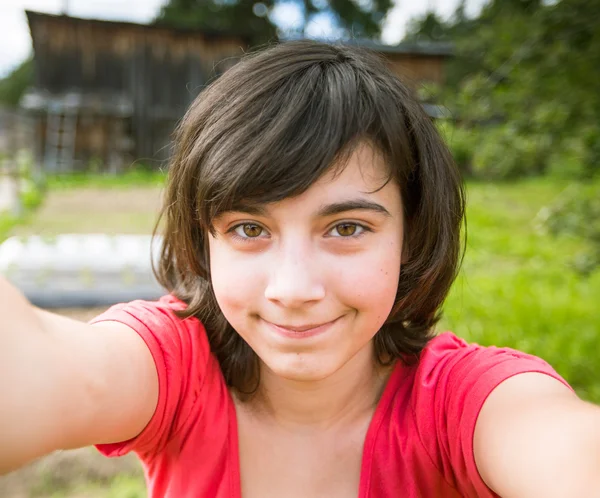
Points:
461	142
31	194
576	213
568	161
577	156
503	153
500	152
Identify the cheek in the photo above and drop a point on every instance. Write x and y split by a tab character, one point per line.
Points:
235	282
371	282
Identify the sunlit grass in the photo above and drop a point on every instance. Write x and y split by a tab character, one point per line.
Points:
518	287
138	176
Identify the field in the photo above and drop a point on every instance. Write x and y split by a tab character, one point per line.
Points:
517	288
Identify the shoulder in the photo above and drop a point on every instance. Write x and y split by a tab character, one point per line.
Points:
178	345
158	323
457	376
448	356
188	374
449	386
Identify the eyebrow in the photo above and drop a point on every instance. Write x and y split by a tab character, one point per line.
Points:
351	205
325	210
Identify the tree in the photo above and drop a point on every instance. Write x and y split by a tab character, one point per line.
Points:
251	18
13	86
429	27
356	19
524	79
242	17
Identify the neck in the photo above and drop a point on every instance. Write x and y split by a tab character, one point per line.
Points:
351	393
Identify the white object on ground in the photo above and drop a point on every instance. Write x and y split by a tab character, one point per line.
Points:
73	270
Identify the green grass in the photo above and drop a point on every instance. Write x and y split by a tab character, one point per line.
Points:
518	287
122	486
7	223
138	176
31	198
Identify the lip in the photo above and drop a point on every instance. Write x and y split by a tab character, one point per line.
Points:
302	331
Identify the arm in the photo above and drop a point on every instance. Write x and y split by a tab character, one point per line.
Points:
534	437
66	384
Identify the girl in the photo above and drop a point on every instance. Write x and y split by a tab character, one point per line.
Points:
311	233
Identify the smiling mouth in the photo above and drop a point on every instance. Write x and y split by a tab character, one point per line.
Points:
302	330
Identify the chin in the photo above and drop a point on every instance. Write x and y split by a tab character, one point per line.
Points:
301	368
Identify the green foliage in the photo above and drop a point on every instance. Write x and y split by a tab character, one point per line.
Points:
358	19
429	92
462	143
235	17
7	223
573	160
429	27
576	213
495	152
532	67
13	86
31	196
504	153
251	18
517	289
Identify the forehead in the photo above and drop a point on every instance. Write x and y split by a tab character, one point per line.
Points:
365	176
365	171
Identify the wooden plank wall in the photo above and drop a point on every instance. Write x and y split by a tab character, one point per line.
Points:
418	69
161	70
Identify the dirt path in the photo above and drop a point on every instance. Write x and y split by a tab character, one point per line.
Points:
95	210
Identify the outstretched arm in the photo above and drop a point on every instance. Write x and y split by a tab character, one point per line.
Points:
534	437
66	384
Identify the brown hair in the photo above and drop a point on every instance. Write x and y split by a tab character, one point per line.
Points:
268	129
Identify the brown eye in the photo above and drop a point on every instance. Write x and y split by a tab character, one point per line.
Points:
346	229
249	230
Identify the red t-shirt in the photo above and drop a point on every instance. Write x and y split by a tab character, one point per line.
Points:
419	442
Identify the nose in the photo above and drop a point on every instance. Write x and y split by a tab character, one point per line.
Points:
295	279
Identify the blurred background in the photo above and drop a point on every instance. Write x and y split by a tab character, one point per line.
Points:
90	92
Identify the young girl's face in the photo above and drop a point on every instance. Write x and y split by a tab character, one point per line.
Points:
308	281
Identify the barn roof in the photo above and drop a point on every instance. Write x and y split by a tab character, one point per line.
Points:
32	16
442	49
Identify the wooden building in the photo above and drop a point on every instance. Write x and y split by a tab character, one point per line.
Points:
415	63
111	92
108	93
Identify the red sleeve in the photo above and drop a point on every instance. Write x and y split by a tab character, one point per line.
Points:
453	381
181	352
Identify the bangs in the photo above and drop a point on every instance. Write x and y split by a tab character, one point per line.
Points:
292	127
